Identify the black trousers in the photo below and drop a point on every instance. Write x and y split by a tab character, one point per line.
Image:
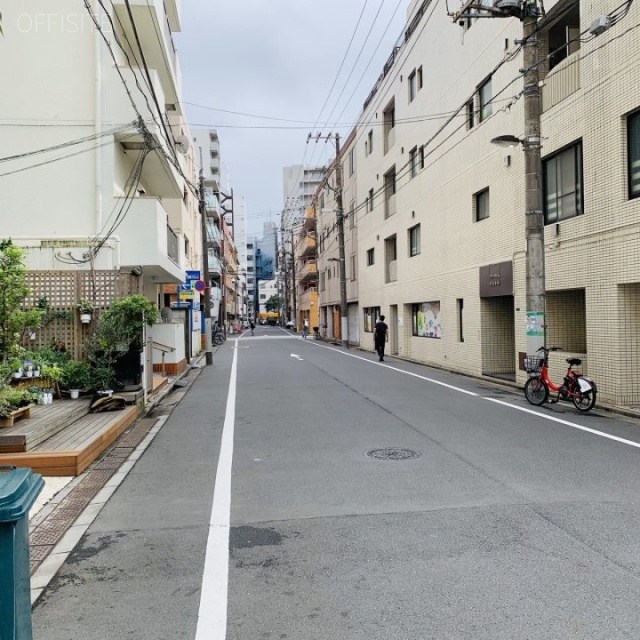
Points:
380	347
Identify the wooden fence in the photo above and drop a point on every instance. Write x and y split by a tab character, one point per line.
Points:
61	291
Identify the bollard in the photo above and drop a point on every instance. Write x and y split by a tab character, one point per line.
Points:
19	489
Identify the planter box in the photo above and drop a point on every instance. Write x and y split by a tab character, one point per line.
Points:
18	414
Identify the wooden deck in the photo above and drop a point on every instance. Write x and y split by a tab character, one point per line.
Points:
70	451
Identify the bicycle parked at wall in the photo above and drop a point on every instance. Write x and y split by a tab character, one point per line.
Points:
217	335
575	387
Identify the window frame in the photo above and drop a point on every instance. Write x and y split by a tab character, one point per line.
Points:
412	82
370	316
371	257
479	197
413	162
414	243
485	105
633	120
576	148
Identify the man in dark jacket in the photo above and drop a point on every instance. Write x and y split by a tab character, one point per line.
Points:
380	337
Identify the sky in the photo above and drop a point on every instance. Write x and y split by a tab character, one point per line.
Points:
280	60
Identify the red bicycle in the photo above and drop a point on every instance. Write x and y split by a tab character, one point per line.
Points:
575	387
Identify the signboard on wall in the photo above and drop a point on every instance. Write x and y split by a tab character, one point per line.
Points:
496	280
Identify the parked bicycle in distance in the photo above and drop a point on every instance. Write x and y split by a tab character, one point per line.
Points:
217	336
575	387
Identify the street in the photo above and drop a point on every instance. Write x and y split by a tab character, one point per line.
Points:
303	491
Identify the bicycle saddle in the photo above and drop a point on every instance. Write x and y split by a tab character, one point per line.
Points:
572	361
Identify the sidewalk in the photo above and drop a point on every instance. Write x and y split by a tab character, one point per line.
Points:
68	505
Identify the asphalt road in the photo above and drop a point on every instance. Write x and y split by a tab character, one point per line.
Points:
510	521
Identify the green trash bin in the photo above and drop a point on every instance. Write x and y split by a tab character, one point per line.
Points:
19	489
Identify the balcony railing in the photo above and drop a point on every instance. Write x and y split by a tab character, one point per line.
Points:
561	82
173	245
391	271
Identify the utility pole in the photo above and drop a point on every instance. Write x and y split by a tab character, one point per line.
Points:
527	12
205	270
342	266
294	288
344	310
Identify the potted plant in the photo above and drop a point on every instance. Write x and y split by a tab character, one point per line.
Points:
17	367
103	378
85	307
28	368
76	377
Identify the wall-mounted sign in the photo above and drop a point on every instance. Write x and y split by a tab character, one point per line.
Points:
496	280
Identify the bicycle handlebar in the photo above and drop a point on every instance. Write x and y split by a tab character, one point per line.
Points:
547	349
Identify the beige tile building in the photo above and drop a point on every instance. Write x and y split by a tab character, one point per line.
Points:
439	210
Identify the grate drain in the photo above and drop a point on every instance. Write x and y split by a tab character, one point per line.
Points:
392	454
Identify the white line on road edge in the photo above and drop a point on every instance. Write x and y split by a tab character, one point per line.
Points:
212	615
566	422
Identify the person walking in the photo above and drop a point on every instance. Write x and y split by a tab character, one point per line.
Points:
305	328
380	337
252	327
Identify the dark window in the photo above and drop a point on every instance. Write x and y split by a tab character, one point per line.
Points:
422	157
460	314
370	199
633	124
413	86
370	316
370	257
413	161
563	184
470	115
419	78
414	241
485	95
481	205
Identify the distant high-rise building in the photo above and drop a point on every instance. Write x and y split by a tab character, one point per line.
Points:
298	185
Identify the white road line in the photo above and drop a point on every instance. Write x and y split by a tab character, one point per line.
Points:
567	423
212	615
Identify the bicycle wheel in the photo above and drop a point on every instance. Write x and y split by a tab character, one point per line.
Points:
218	339
585	401
536	391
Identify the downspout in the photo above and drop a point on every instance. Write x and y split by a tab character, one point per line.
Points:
98	121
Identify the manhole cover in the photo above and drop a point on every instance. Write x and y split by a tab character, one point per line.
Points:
393	454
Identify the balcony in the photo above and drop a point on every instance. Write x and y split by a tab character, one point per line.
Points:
146	240
214	236
306	247
152	25
391	271
390	206
308	272
215	265
308	298
561	82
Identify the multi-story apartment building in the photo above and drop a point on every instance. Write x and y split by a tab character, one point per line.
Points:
440	210
328	242
102	178
305	273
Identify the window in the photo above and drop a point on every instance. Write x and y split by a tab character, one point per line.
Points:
370	257
370	316
426	320
389	118
322	285
413	86
352	215
485	95
352	267
413	161
352	160
460	316
368	145
370	200
419	78
564	36
422	157
470	115
329	273
562	174
390	260
187	248
414	241
389	193
481	205
633	135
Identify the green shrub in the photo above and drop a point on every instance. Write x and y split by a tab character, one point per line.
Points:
76	375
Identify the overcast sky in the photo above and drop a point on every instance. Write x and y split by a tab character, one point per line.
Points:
279	59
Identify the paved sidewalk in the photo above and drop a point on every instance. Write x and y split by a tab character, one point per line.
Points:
57	526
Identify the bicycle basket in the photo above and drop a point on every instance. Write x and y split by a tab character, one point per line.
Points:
533	364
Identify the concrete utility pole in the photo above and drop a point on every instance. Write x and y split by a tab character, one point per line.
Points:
344	310
527	12
205	270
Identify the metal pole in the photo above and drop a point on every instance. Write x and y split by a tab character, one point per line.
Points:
205	271
344	312
534	216
294	287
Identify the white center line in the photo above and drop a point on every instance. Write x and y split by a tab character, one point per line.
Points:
212	615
